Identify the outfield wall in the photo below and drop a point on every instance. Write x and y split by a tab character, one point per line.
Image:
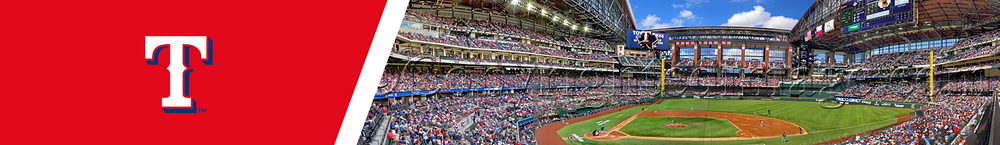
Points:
817	99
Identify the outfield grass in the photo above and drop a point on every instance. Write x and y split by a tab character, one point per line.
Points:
697	127
806	114
822	124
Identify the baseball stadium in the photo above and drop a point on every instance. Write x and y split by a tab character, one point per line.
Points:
581	72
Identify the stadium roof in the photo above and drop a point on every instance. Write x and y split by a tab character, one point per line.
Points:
612	16
935	20
586	18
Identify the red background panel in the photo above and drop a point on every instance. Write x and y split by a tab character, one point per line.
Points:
73	72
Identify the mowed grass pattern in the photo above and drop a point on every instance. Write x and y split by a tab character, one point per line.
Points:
808	115
697	127
821	124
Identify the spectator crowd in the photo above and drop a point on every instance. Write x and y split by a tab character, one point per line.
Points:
684	62
944	122
640	61
731	81
896	59
976	51
445	57
896	91
492	117
985	37
776	64
963	49
978	84
399	81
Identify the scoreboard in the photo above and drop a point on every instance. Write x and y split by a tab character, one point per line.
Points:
861	15
646	40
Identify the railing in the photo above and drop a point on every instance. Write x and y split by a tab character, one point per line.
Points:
440	59
429	92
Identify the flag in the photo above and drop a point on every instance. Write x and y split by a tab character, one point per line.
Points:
819	30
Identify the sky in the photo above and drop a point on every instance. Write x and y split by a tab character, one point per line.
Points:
779	14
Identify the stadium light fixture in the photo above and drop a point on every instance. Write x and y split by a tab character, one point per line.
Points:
574	27
543	12
514	2
531	7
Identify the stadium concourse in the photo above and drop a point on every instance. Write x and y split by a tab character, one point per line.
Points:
490	72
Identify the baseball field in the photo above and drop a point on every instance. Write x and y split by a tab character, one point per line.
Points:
707	121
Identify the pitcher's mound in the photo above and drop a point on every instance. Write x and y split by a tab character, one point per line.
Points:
676	125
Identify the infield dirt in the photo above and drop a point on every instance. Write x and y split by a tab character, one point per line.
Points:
547	135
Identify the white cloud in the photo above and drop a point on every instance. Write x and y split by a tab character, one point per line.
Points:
781	22
686	14
650	20
676	23
758	17
697	1
757	1
749	18
653	22
689	3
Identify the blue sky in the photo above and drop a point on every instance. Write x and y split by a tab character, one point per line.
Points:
780	14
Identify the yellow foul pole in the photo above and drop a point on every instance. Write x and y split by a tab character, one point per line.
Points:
663	73
931	81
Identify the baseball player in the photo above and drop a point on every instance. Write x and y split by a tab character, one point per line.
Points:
782	136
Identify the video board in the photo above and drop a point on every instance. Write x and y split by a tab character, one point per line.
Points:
862	15
646	40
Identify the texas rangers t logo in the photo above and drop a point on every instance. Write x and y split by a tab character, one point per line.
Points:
178	101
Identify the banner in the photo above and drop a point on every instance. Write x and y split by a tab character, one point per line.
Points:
846	99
